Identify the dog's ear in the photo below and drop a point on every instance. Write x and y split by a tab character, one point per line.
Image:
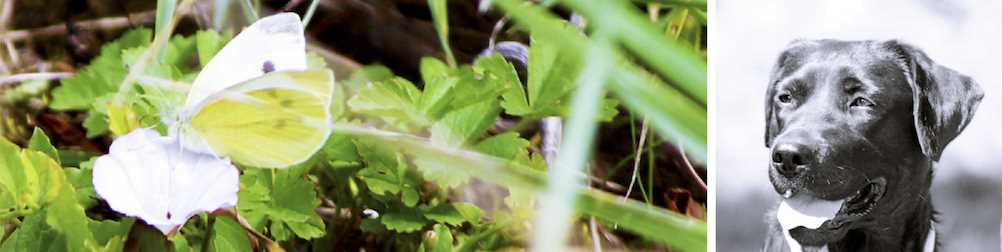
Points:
789	60
944	100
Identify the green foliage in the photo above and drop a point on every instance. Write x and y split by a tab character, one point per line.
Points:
227	235
54	219
280	202
405	149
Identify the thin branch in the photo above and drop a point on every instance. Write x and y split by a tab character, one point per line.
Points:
17	78
100	23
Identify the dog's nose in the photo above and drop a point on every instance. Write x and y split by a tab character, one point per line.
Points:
790	159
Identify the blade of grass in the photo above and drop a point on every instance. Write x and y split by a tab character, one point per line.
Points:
165	13
553	219
309	12
656	224
668	58
440	15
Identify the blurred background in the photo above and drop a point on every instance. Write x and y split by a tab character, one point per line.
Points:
963	35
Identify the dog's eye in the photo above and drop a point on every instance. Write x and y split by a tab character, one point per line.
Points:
784	98
861	102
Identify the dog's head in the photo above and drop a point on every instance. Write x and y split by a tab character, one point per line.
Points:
860	121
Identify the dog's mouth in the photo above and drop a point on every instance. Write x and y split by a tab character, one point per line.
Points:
852	209
864	200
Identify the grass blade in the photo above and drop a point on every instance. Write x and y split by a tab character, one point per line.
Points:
439	13
165	13
309	12
553	219
668	58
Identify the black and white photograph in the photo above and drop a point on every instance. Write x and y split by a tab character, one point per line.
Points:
858	125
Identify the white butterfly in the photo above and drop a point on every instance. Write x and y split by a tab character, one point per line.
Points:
273	43
166	180
148	176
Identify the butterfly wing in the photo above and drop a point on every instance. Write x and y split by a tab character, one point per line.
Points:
273	43
274	121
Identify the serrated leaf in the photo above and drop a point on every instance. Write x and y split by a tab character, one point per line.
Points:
283	198
394	101
459	127
551	76
96	124
382	174
40	142
497	70
448	214
227	235
473	86
507	145
438	84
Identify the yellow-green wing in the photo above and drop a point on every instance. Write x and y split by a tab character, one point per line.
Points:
274	121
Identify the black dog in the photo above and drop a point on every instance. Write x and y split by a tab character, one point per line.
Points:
864	122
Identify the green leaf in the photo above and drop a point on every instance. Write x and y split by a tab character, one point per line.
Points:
208	43
40	142
96	124
501	73
453	214
82	181
106	232
456	129
101	77
551	76
459	127
438	84
386	171
66	216
403	219
394	101
29	179
282	200
227	235
368	74
507	146
32	235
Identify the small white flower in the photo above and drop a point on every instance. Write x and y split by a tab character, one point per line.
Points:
150	177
